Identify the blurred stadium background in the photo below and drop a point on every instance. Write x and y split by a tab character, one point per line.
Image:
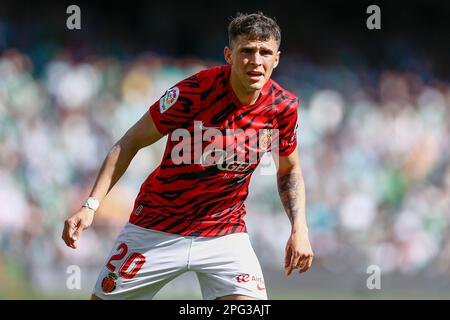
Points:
374	138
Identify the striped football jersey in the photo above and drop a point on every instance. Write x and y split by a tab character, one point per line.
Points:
214	145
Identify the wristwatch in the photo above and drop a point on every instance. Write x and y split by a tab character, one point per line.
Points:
91	203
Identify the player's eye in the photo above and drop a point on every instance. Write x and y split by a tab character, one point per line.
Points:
247	50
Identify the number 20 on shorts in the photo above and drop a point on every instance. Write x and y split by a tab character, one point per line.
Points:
136	257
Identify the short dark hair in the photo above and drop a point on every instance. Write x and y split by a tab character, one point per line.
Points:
255	26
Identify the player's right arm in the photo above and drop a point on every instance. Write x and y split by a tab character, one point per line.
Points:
143	133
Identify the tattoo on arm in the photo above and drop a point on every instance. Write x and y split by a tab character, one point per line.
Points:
288	186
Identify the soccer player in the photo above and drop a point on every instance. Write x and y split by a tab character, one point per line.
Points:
188	215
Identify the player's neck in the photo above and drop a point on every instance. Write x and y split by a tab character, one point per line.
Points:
245	97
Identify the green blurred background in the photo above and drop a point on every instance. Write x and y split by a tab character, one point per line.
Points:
374	136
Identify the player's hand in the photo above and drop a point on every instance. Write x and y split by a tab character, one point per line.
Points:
74	225
299	254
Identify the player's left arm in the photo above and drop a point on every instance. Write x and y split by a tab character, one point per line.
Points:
291	189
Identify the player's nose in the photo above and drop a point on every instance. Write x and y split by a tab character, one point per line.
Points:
256	59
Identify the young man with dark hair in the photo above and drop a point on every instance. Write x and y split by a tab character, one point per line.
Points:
189	213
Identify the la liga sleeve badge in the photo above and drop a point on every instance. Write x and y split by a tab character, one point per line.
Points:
169	99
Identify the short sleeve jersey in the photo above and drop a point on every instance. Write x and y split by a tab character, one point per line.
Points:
214	144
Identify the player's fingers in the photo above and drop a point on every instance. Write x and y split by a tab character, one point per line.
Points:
75	237
72	227
70	243
287	257
80	228
303	258
65	232
294	261
306	265
68	231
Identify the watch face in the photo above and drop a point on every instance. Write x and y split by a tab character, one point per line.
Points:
92	203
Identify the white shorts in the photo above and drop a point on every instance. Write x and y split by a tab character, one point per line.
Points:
142	261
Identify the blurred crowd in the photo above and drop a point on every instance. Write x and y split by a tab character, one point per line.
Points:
373	146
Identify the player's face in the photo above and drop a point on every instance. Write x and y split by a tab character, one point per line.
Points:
252	61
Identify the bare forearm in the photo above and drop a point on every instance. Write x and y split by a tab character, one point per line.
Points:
291	189
113	167
143	133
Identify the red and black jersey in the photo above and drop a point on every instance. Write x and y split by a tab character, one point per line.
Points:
202	182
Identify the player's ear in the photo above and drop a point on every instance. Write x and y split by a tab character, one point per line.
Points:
227	54
277	59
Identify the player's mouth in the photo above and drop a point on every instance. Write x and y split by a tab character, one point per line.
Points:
255	75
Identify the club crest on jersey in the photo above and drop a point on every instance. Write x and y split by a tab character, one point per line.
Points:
265	139
169	99
109	282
